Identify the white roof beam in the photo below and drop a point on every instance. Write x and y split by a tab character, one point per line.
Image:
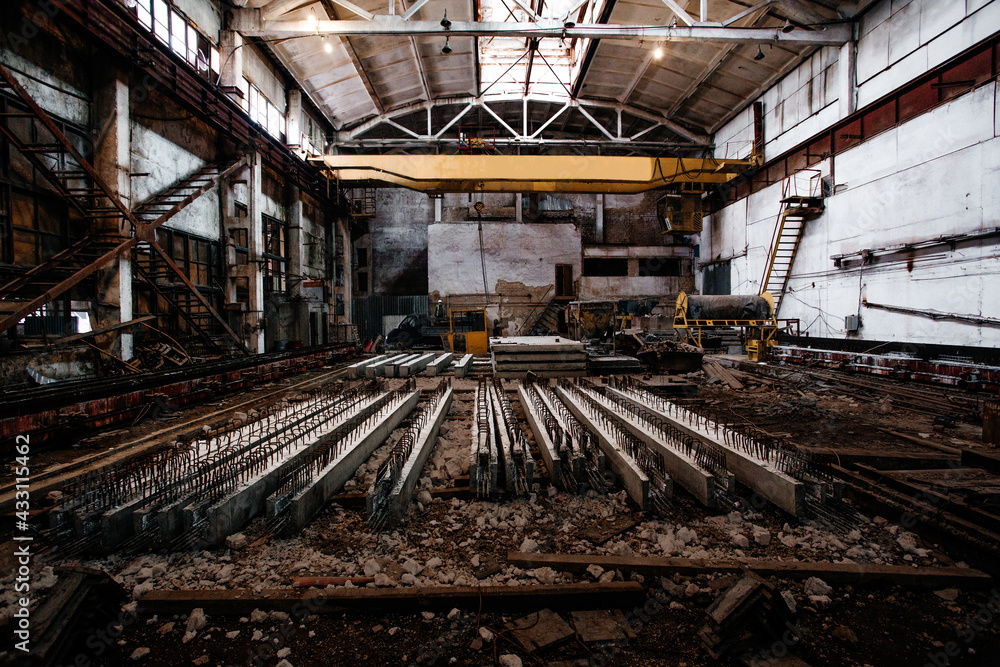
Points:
250	23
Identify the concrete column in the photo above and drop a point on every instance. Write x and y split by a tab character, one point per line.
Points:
231	52
296	263
599	219
293	119
518	211
847	79
344	241
256	243
113	161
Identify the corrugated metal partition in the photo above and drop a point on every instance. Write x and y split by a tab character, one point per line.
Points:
371	312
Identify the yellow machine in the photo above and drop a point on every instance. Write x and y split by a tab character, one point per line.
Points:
753	314
468	331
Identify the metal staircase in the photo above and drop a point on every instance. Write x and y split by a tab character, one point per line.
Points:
40	140
796	210
180	302
548	320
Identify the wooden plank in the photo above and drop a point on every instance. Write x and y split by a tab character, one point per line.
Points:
923	443
243	601
841	573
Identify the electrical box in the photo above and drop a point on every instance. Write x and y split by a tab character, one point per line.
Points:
680	213
852	323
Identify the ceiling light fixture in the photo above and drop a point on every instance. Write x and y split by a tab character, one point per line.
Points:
658	53
327	46
788	27
445	23
312	19
447	46
760	53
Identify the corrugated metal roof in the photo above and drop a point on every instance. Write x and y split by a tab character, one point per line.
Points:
698	85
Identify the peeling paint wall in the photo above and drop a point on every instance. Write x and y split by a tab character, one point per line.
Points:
520	263
168	145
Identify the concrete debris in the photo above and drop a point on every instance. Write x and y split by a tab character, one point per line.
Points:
236	541
510	660
845	635
139	653
539	630
196	621
948	594
485	634
816	586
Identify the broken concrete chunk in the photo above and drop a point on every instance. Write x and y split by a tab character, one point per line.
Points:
236	541
816	586
949	594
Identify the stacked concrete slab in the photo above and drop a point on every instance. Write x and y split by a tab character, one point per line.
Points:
542	355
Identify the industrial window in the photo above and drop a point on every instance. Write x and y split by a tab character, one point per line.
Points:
362	257
362	282
240	239
261	111
605	266
198	258
177	32
275	255
660	266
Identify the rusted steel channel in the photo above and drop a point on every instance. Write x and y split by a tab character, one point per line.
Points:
90	404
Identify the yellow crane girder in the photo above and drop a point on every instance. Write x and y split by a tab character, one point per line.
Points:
528	173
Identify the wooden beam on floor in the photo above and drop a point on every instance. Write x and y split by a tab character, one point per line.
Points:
839	573
243	601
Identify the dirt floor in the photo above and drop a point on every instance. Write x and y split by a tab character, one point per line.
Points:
448	541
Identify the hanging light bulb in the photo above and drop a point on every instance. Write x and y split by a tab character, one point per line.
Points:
658	52
327	46
447	46
312	19
760	53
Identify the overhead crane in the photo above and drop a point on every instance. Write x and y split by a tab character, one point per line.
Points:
437	174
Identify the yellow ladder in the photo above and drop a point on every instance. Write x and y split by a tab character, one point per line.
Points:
795	212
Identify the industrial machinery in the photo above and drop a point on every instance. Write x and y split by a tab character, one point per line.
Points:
469	332
753	314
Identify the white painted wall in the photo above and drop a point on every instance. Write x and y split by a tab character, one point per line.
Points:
167	150
899	41
930	177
